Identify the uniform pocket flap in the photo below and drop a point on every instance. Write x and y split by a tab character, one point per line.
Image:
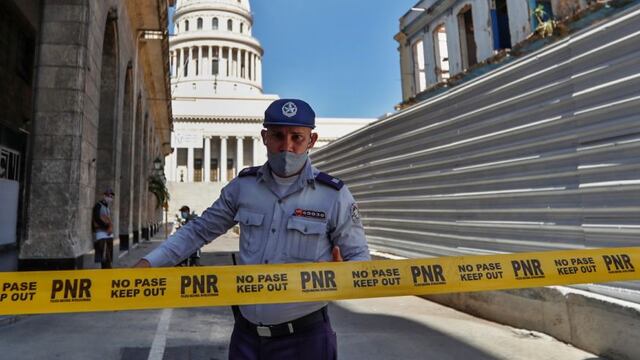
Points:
306	227
249	218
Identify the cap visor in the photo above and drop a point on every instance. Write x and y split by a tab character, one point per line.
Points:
287	124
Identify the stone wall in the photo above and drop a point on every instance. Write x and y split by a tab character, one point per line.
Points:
86	82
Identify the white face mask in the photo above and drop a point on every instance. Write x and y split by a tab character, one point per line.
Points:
108	199
287	163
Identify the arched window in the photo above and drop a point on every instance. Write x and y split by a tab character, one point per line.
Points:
214	23
441	52
230	25
186	25
241	28
199	24
418	66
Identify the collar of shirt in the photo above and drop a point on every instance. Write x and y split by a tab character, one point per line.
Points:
284	180
307	177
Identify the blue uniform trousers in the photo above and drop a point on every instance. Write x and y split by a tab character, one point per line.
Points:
316	341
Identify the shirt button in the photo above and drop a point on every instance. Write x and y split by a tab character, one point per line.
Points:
266	261
279	201
273	230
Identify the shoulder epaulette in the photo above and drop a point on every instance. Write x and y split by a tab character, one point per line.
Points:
329	180
250	171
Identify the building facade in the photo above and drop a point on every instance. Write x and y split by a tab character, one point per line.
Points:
440	39
85	106
218	100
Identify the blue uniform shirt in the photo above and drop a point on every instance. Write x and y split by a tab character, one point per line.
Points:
301	225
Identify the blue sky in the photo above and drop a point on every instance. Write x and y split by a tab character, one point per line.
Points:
339	55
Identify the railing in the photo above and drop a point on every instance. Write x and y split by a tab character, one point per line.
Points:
541	154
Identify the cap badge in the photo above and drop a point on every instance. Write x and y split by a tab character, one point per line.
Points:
289	109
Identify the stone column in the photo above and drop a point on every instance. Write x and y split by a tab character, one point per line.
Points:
186	57
231	64
192	60
253	67
223	63
230	60
200	65
171	63
239	153
246	64
240	57
186	54
178	62
259	68
207	159
256	146
238	61
189	164
210	73
223	159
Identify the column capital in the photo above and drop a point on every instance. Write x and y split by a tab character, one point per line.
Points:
224	137
240	137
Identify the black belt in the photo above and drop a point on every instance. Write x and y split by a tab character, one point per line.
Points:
283	329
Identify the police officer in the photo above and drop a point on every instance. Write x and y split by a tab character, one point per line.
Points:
288	212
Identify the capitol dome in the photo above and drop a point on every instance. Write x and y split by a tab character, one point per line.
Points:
213	51
218	102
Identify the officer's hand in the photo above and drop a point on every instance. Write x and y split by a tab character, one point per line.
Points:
142	263
335	254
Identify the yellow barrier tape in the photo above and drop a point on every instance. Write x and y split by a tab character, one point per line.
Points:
129	289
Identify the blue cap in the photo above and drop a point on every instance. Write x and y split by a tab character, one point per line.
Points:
290	112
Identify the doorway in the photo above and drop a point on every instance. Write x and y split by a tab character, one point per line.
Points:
467	37
500	26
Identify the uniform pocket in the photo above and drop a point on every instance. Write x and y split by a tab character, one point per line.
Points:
250	229
305	238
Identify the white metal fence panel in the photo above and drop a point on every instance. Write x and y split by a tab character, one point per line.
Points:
541	154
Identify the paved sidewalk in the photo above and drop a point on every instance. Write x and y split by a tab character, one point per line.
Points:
409	327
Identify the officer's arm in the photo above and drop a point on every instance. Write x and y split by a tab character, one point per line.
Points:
348	234
215	221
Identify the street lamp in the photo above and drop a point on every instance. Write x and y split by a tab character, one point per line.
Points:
157	165
158	169
418	9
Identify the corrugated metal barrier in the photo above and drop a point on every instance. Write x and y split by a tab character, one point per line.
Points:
541	154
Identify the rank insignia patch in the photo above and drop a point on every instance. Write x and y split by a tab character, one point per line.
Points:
310	213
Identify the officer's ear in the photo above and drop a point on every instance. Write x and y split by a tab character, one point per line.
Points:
263	133
312	142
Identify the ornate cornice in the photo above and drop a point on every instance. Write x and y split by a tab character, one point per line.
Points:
218	119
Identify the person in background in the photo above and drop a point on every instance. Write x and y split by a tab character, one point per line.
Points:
103	230
182	219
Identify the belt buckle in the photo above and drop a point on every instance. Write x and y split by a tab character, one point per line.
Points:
264	331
